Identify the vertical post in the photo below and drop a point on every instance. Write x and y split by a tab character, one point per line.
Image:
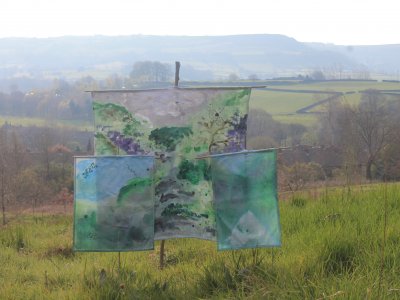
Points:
3	198
162	254
385	221
162	244
177	68
119	263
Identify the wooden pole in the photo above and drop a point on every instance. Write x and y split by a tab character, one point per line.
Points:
177	68
162	244
119	264
385	222
162	254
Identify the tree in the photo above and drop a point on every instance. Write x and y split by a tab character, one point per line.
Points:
17	154
363	131
44	140
253	77
317	75
151	71
64	155
373	125
31	188
295	132
391	153
233	77
263	131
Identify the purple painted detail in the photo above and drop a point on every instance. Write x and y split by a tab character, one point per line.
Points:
237	136
129	145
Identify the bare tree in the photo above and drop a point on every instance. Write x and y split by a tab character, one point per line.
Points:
17	153
373	125
31	188
362	131
44	141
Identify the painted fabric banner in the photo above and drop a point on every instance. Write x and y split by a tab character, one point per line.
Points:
114	204
245	200
177	126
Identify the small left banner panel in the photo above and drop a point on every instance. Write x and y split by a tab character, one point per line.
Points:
114	203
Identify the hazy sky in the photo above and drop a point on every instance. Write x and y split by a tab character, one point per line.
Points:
330	21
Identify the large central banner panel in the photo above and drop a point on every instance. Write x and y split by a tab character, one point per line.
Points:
177	126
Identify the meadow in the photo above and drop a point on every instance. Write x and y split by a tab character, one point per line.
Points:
337	243
282	105
40	122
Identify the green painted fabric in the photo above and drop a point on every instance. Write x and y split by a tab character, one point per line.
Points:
245	200
114	204
177	126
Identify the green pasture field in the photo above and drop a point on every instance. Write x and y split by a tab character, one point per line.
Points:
344	86
340	243
283	105
278	103
25	121
352	99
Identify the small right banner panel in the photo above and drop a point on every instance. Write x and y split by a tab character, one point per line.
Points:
245	200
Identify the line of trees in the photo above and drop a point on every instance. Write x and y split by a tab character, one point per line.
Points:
151	71
30	179
68	100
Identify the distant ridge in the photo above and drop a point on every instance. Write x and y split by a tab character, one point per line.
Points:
378	58
203	57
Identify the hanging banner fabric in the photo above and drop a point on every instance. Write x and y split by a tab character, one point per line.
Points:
177	126
114	203
245	200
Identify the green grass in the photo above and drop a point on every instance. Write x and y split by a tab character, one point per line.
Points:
332	246
25	121
344	86
351	99
276	103
283	105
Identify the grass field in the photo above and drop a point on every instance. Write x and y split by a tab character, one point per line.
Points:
24	121
345	86
283	105
278	103
334	246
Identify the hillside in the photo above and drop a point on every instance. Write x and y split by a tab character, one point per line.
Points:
204	57
378	58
